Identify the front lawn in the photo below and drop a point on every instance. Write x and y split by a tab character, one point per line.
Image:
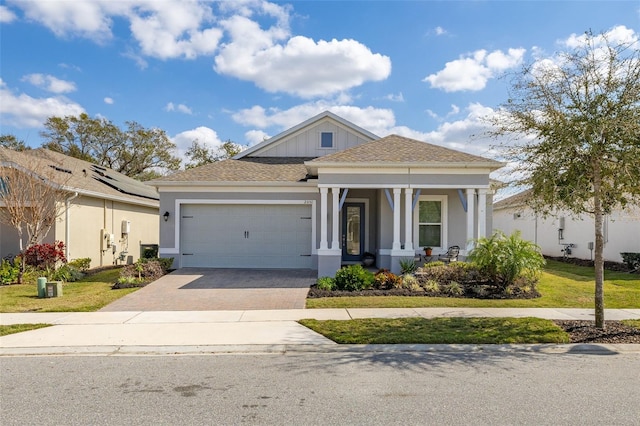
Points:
562	285
89	294
440	331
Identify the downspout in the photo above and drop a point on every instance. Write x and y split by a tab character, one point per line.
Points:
67	230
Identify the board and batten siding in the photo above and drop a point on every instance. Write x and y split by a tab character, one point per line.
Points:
306	143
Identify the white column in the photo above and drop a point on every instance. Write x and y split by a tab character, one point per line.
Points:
482	213
471	197
408	219
396	219
323	218
335	221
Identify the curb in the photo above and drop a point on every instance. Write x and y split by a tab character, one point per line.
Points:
534	349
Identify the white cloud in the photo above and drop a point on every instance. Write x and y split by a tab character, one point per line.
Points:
439	31
375	120
204	135
473	71
50	83
454	111
255	136
180	108
395	98
297	67
109	101
25	111
618	34
6	15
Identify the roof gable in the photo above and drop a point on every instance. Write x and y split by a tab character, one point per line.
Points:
269	147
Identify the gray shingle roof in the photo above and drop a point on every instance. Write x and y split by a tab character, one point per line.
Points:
396	149
249	169
81	176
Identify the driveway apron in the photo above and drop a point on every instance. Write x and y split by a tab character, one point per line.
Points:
202	289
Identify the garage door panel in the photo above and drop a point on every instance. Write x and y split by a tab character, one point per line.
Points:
246	236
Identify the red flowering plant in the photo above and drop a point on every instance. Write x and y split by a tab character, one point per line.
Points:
45	256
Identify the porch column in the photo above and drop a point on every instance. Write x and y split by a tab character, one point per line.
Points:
396	219
323	218
335	221
408	219
482	213
471	198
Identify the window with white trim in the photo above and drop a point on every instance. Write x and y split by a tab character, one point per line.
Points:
430	221
326	140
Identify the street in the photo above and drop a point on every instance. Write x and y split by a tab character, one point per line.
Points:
323	388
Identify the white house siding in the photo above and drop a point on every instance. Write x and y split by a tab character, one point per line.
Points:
306	143
9	244
622	231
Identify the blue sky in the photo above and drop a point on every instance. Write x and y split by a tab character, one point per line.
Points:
246	70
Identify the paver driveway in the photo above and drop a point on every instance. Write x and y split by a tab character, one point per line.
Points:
201	289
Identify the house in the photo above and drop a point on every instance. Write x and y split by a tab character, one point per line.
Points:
105	215
322	194
565	234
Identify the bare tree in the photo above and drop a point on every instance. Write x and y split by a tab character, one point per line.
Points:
31	202
576	121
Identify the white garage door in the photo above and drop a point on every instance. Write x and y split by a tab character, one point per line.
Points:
246	236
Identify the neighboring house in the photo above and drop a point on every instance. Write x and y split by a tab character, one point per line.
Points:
320	195
564	231
106	215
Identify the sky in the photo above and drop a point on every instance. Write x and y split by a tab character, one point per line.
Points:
247	70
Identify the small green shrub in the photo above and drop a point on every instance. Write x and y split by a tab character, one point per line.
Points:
454	289
434	264
165	262
384	280
503	259
353	278
408	266
410	282
326	283
632	260
144	271
9	272
82	264
431	286
66	273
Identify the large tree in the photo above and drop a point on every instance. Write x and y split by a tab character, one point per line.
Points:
574	123
200	154
12	142
137	152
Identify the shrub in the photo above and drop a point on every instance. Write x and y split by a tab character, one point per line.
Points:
434	264
454	289
408	266
632	260
384	279
66	273
9	272
326	283
503	259
45	256
410	282
353	278
165	262
431	286
81	265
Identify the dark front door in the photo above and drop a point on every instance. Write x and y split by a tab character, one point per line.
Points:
352	231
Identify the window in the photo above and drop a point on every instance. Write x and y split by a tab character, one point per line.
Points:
326	140
430	222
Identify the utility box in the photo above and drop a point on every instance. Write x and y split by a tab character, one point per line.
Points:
54	289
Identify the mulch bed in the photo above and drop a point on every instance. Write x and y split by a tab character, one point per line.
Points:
586	332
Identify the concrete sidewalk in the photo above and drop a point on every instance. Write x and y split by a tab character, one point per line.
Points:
235	331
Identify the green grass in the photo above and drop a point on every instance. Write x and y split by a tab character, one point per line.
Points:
439	331
632	323
87	295
19	328
562	286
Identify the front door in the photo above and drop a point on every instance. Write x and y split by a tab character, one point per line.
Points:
352	231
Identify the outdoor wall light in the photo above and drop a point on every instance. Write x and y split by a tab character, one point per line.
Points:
166	216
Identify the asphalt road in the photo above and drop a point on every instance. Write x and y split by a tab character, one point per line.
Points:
323	389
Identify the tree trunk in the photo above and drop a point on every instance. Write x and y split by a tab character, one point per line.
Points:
598	259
